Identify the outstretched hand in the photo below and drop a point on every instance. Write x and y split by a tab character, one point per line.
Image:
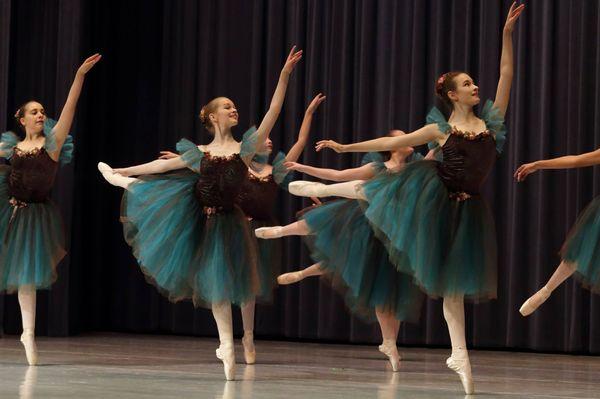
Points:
167	155
292	59
525	170
314	104
89	64
513	15
293	166
335	146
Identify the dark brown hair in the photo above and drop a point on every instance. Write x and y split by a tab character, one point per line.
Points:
20	113
444	84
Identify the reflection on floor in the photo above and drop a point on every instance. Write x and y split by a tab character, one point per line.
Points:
133	366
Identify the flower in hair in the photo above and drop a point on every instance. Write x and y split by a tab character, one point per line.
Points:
440	82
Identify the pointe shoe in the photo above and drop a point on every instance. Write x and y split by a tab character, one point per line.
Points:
388	348
226	354
462	367
268	233
28	341
534	301
104	168
290	278
113	178
307	189
249	349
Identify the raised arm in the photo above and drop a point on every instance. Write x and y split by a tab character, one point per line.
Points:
264	129
567	162
365	172
153	167
294	153
422	136
63	125
506	59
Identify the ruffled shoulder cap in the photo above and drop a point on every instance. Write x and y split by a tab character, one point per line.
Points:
68	147
494	121
190	154
249	141
375	159
184	145
281	175
436	116
8	142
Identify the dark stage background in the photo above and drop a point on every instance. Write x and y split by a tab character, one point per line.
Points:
377	62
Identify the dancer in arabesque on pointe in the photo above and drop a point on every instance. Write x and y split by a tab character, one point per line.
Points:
431	217
183	222
580	253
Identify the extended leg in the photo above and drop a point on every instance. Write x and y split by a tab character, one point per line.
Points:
350	189
114	178
299	228
294	277
562	272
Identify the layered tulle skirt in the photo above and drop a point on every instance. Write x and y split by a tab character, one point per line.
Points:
582	246
184	252
447	245
345	245
32	241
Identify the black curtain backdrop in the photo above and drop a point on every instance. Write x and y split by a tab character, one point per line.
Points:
377	62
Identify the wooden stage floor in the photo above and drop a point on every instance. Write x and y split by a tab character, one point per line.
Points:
150	366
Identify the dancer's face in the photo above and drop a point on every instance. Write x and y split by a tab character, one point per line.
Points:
266	147
33	117
466	92
402	151
225	115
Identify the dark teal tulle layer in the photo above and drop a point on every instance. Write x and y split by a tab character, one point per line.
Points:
344	243
582	246
449	247
33	242
183	252
269	261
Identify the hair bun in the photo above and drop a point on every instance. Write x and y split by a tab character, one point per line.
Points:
439	85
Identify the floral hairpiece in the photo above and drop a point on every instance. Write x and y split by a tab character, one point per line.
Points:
440	82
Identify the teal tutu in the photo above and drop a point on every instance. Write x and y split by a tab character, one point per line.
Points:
582	246
448	246
269	261
186	254
33	242
344	243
